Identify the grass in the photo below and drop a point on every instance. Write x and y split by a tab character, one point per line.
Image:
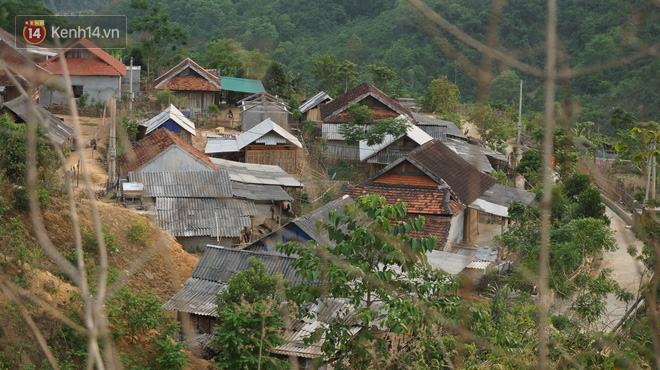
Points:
89	124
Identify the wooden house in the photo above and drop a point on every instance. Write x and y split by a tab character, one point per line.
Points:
29	75
197	87
171	119
92	71
311	110
265	143
335	113
261	106
236	89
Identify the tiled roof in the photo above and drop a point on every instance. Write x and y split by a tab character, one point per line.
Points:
153	145
172	81
331	112
464	179
103	65
26	70
425	200
438	227
411	180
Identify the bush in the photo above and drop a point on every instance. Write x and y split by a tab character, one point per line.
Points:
90	243
170	355
82	100
21	197
213	109
639	195
139	232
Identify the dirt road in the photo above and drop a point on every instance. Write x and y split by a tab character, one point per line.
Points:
626	270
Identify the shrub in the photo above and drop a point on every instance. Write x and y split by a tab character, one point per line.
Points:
170	355
139	232
21	197
90	243
82	100
639	195
213	109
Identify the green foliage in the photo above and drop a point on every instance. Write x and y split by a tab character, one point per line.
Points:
622	121
576	184
502	178
531	165
213	109
224	55
132	314
639	195
90	243
343	171
442	96
81	101
495	124
167	97
386	80
131	126
13	152
21	197
365	128
276	80
505	88
155	31
250	320
170	355
326	71
140	232
374	248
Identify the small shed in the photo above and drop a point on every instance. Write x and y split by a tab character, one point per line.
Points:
310	109
261	106
23	109
266	143
173	120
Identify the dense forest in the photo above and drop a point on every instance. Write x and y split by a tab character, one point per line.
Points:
389	33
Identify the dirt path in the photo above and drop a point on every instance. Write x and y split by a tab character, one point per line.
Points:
89	127
626	270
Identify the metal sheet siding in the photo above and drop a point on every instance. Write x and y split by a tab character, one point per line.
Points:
190	184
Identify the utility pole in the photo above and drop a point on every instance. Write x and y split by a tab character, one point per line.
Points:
112	144
519	114
130	89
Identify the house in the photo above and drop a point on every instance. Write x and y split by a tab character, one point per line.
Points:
311	110
335	113
196	86
302	229
235	89
263	184
262	106
392	148
171	119
196	301
133	73
439	129
196	207
22	109
29	75
32	52
265	143
92	71
485	159
163	150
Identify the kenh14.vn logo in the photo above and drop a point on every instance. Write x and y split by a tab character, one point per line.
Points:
34	31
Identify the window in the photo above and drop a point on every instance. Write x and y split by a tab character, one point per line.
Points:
77	90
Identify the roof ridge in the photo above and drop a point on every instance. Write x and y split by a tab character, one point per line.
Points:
97	51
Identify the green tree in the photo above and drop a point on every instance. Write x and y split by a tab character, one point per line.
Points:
365	128
386	80
354	49
495	124
326	71
372	265
442	96
250	320
530	165
157	32
505	88
224	55
276	80
622	120
348	75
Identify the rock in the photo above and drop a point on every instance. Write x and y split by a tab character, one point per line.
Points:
49	285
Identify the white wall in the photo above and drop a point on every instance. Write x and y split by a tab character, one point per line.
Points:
98	87
455	231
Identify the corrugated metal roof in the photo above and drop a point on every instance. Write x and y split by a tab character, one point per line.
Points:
259	192
171	113
452	129
415	133
307	222
451	263
220	264
243	85
505	195
315	100
471	153
258	132
253	173
197	297
271	138
57	130
478	265
204	217
184	184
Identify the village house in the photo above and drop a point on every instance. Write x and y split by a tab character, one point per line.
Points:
22	110
265	143
29	75
262	106
196	87
335	113
32	52
310	109
442	186
171	119
92	71
439	129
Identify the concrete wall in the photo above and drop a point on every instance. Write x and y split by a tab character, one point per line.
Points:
98	87
175	159
455	231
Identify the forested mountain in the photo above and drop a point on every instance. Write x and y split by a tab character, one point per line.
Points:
388	33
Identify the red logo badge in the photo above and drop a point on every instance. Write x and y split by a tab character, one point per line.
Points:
34	31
